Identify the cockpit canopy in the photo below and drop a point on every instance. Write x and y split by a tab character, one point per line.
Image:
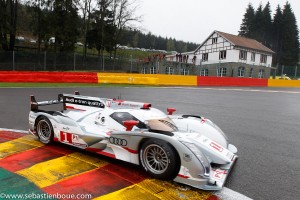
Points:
153	120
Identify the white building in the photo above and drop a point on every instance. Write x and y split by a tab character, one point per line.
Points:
223	54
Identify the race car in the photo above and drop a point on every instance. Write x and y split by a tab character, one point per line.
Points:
188	149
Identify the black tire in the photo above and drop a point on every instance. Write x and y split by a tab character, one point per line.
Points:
159	159
44	130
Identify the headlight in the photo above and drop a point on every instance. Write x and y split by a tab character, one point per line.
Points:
203	160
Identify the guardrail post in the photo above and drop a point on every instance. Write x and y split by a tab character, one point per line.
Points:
74	61
13	60
103	61
45	57
130	63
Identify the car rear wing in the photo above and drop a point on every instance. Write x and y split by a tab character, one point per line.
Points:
68	101
34	105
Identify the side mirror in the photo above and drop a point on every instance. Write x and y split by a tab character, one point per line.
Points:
129	124
171	110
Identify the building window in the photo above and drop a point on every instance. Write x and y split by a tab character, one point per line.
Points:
205	57
144	70
261	73
222	55
204	72
214	40
251	73
153	70
243	55
221	72
241	71
169	70
184	71
252	57
263	58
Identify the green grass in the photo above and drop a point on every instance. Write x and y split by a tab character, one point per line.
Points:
23	85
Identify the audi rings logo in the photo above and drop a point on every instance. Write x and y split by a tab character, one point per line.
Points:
118	141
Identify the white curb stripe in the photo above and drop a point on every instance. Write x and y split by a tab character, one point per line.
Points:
13	130
228	194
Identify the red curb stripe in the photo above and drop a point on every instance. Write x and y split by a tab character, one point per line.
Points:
213	197
8	135
96	183
51	77
231	81
29	158
130	172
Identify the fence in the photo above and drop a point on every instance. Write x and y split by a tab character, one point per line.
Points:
50	61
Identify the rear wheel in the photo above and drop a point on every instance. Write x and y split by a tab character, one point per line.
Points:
159	159
44	130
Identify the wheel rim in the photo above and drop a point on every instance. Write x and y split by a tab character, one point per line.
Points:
156	159
44	130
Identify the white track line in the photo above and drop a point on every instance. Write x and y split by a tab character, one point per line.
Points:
231	89
13	130
228	194
224	194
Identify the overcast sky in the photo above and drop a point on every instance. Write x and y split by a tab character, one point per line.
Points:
194	20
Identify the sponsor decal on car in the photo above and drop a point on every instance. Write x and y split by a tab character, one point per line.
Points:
218	174
118	141
71	139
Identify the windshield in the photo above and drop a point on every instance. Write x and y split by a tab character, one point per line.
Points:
165	124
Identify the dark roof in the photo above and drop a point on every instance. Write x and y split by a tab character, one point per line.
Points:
245	42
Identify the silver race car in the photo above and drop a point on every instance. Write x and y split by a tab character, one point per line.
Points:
188	149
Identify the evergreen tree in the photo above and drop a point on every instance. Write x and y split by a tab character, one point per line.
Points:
258	25
276	35
170	45
290	39
267	26
65	18
246	27
8	23
135	39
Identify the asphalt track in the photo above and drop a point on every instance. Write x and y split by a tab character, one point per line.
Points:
262	122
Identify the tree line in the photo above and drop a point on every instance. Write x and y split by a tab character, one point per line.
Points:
100	24
280	32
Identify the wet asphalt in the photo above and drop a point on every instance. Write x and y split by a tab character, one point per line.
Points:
263	123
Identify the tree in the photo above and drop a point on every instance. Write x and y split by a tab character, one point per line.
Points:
8	23
170	45
277	35
135	39
86	9
65	21
40	23
290	38
281	35
102	27
124	12
258	30
267	26
246	28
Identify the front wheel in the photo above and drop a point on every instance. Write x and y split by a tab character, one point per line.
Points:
159	159
44	130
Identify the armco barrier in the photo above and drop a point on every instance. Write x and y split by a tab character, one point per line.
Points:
140	79
230	81
283	83
48	77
